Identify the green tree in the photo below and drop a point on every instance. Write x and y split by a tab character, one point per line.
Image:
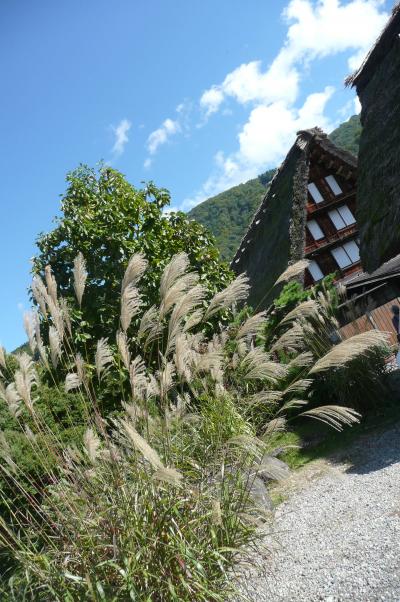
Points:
107	219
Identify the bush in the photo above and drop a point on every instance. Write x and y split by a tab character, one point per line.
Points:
154	501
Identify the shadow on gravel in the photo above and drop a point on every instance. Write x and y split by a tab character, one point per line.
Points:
375	452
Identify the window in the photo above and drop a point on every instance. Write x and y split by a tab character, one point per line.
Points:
352	250
315	193
315	230
342	217
347	254
315	271
333	185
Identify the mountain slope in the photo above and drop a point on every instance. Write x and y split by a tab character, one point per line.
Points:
228	214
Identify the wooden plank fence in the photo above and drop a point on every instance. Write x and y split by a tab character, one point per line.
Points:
379	318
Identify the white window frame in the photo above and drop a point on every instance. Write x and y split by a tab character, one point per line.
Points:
336	219
315	193
315	271
333	185
341	217
315	229
346	215
346	255
352	250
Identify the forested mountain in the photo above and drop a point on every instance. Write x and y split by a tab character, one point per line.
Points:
228	214
347	135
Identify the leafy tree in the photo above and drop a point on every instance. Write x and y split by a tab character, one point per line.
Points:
107	220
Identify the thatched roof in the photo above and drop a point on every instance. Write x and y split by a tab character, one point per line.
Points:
388	37
305	138
276	234
390	269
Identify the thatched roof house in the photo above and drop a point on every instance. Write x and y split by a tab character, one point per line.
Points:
314	179
378	197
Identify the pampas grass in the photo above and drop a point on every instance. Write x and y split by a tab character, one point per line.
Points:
80	274
149	502
348	350
292	271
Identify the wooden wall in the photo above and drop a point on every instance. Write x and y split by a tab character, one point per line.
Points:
378	319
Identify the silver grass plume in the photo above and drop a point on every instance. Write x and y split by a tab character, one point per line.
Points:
136	267
252	326
92	444
25	378
183	357
130	305
123	348
183	308
3	357
175	292
30	320
72	381
292	404
299	386
174	270
80	276
216	512
293	270
305	310
51	284
55	345
166	378
162	473
12	398
141	445
40	294
343	353
276	425
235	292
194	319
334	416
137	377
80	367
103	356
57	316
291	340
168	475
303	360
150	326
257	365
135	412
265	398
64	309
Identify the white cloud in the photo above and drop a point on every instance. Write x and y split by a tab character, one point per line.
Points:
162	134
316	29
121	136
263	141
357	105
211	100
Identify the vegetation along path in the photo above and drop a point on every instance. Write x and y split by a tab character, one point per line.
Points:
337	536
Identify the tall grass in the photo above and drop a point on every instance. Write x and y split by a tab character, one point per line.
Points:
152	502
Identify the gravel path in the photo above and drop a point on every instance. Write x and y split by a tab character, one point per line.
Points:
337	537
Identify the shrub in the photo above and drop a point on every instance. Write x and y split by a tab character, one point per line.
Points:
154	501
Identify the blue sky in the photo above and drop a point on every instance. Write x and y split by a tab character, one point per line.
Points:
197	96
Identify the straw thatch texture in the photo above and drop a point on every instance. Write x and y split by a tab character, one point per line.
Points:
276	235
378	199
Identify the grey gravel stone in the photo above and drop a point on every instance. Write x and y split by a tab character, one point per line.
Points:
337	539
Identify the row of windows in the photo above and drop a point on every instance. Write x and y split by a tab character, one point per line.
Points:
346	255
333	185
341	217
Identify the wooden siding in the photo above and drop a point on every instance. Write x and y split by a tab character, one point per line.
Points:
378	319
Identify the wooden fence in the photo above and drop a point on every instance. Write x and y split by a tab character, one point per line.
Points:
378	319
